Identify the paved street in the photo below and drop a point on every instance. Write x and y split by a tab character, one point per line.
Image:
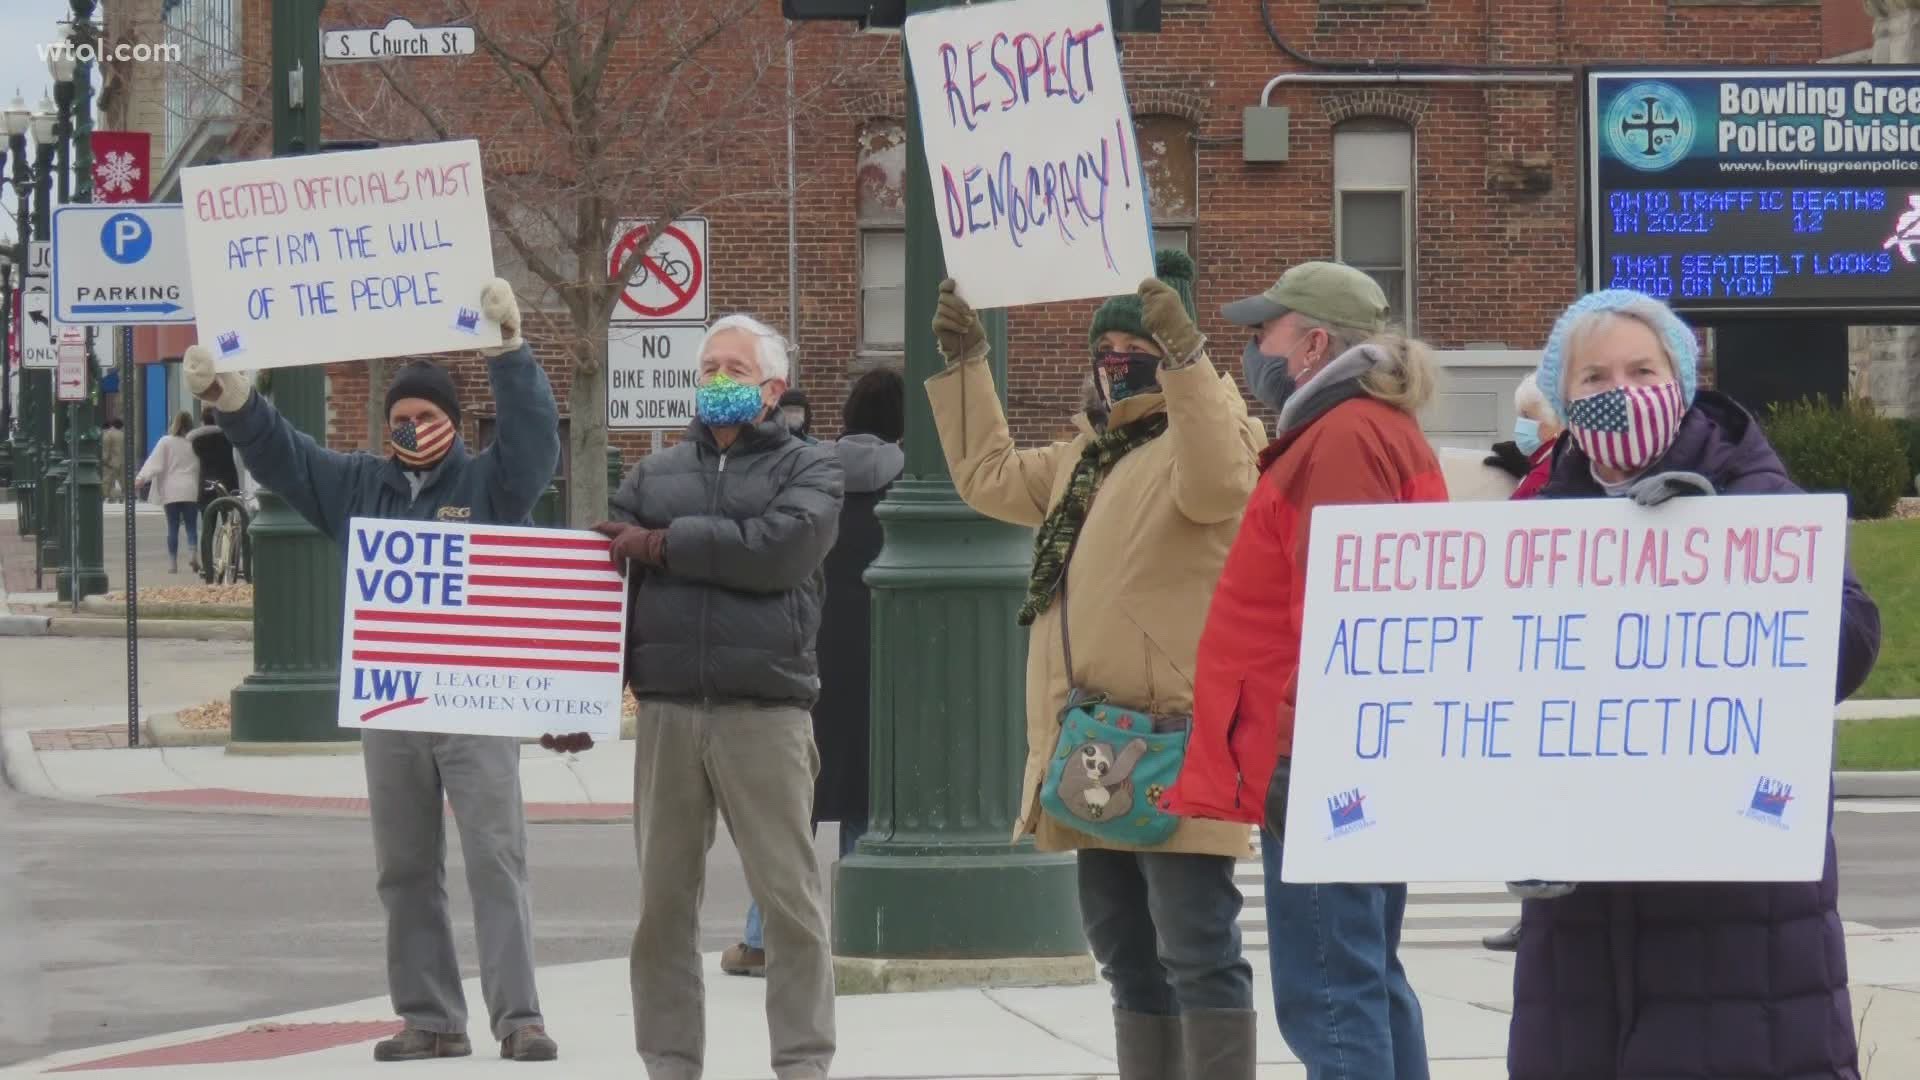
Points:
150	549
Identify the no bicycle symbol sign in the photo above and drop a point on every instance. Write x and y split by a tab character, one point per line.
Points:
670	282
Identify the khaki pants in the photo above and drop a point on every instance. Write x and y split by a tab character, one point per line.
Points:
756	767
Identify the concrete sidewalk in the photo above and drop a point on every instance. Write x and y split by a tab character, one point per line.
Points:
1030	1033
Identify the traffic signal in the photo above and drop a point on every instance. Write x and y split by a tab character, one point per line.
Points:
1132	16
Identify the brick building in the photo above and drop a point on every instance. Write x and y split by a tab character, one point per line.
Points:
1449	171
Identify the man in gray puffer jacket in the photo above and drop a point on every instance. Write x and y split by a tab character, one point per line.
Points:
428	475
723	537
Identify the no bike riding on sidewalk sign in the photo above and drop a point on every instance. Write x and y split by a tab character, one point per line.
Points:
480	630
1574	690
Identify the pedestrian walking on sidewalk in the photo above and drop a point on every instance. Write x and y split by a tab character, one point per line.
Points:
723	537
1710	981
873	423
1346	393
428	475
113	460
171	477
1135	522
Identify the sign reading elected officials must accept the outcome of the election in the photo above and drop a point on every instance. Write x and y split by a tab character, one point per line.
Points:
1036	175
1756	190
1581	690
480	630
345	256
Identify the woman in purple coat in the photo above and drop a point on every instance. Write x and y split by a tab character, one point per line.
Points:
1676	981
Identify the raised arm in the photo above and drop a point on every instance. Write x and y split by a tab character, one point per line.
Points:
773	551
315	481
991	475
526	445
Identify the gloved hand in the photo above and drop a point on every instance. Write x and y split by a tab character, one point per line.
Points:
957	327
497	303
226	391
1651	491
1535	889
633	543
1166	319
567	744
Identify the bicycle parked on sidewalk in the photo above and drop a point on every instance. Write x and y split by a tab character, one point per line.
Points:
226	546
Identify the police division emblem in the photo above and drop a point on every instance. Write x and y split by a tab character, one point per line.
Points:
1649	126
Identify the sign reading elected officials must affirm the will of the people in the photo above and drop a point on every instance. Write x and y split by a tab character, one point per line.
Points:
480	630
1030	146
346	256
1580	690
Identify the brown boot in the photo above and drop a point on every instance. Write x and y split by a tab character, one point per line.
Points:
743	959
530	1043
413	1044
1147	1047
1219	1044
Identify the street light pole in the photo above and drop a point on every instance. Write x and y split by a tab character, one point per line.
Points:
56	541
18	119
293	694
936	878
86	573
44	418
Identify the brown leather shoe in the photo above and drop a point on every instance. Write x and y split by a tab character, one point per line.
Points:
529	1043
413	1044
744	960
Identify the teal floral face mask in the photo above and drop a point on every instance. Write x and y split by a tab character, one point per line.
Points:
721	402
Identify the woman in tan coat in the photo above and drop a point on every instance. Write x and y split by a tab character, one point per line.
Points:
1135	521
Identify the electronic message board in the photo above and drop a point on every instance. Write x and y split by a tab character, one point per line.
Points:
1756	190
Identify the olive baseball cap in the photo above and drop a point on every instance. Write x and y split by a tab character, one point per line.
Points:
1328	291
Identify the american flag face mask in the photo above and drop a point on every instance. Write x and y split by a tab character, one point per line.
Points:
421	446
1627	428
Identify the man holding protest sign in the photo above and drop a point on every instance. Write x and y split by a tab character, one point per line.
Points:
724	537
1710	980
1134	523
430	476
1347	395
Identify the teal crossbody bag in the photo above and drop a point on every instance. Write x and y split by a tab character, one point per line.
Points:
1110	765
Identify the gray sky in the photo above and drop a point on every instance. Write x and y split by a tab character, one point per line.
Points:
24	26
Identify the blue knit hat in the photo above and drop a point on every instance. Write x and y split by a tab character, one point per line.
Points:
1682	348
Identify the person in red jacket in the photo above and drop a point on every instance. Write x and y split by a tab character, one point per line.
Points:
1347	395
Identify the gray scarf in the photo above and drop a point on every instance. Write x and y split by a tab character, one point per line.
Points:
1337	382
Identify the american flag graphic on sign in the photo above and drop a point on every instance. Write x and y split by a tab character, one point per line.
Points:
1627	427
481	629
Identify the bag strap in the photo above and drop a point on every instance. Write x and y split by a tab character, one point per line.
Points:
1066	643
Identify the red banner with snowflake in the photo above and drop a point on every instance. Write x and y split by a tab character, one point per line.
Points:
122	166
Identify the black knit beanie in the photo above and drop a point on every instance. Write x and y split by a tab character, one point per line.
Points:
428	381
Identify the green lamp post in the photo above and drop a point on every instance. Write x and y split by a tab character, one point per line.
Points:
54	519
293	694
84	573
937	892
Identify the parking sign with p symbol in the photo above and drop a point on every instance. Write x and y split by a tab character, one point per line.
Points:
126	238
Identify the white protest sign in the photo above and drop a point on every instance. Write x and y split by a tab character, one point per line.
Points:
346	256
480	630
1030	147
1574	690
651	372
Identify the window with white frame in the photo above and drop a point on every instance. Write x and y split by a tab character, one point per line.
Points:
1373	207
882	218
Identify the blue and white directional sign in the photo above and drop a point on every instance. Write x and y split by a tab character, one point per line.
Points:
121	263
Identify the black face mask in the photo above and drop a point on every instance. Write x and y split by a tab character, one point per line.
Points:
1267	376
1128	374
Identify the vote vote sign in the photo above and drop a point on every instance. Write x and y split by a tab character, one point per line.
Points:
480	630
1568	690
345	256
1030	147
121	264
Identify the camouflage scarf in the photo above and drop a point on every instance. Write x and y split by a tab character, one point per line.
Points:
1062	527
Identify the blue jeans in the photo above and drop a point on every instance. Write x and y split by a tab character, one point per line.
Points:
755	935
178	514
1165	928
1341	996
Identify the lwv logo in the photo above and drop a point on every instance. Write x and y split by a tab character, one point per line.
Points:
1348	811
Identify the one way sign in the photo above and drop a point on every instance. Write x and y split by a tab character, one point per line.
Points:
121	264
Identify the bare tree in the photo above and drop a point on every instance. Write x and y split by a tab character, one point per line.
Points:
599	112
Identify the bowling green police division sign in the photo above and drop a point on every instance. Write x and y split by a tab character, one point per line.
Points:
1756	190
